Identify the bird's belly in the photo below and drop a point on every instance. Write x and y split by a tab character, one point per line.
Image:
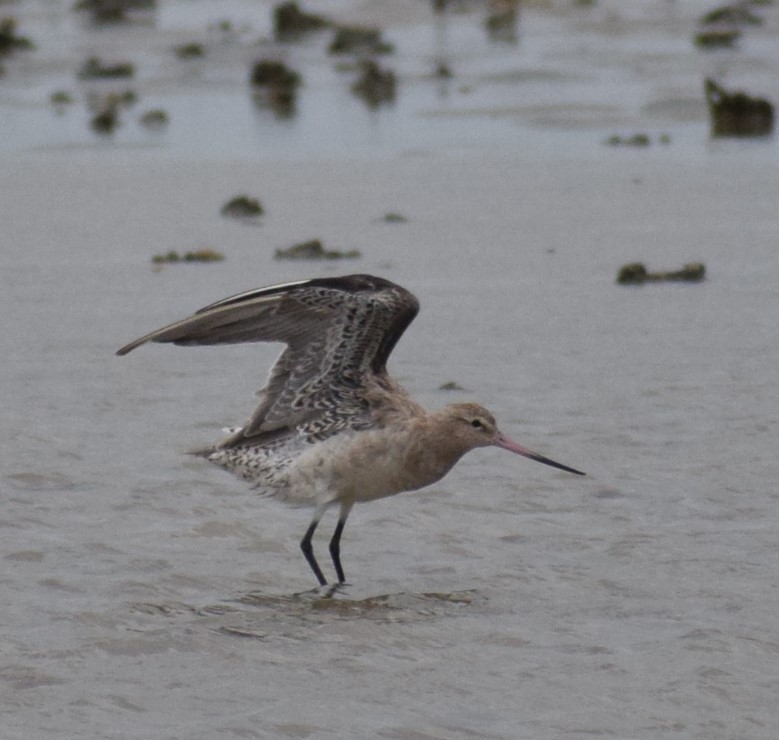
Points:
349	468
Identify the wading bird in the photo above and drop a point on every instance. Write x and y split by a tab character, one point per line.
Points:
333	427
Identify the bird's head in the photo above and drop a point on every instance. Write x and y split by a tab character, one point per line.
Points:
473	426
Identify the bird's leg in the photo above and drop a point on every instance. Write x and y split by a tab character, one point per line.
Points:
335	542
307	548
335	550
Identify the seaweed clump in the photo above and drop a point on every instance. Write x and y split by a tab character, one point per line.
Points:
359	40
314	250
60	100
199	255
638	141
155	118
189	50
394	218
450	385
738	14
717	37
375	85
106	119
636	273
721	27
106	110
10	41
290	22
503	20
270	73
242	206
736	113
112	11
276	85
93	69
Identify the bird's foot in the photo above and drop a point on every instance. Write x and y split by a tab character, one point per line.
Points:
325	591
331	589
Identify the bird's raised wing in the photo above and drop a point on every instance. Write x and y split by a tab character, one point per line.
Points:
338	332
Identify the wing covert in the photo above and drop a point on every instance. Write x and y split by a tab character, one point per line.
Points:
338	331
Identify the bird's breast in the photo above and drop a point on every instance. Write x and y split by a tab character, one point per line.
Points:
367	465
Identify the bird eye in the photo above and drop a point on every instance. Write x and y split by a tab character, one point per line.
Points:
476	424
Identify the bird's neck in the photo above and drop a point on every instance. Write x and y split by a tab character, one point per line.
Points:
430	452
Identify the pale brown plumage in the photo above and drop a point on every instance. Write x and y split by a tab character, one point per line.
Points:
332	426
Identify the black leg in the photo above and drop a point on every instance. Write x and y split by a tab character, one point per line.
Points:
308	551
335	542
335	550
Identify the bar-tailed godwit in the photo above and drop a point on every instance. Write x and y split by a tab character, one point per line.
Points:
333	427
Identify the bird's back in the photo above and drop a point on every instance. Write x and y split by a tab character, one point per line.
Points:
331	378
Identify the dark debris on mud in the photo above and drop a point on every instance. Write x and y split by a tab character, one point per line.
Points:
262	616
318	606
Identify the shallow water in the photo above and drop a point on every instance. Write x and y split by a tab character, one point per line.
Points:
574	77
149	595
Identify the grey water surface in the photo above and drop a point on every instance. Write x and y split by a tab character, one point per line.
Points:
148	595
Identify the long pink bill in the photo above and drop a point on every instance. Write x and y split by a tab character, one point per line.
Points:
507	444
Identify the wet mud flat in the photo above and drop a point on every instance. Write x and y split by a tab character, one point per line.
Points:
148	591
149	595
268	617
572	74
